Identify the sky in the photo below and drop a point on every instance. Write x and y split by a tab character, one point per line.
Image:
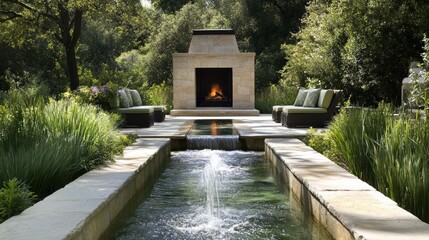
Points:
145	3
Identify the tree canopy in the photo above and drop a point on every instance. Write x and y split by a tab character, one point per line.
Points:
363	47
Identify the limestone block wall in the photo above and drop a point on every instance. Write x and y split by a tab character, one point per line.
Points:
243	77
213	44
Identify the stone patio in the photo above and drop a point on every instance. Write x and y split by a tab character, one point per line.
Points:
253	130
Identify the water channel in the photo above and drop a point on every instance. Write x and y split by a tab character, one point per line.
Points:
216	194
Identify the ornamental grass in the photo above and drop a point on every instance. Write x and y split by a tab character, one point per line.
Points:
390	154
47	145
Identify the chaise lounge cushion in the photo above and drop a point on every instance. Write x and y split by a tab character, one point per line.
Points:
300	98
137	100
130	99
312	98
136	109
325	98
279	107
295	109
123	99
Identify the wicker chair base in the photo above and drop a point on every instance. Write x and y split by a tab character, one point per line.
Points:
304	119
143	120
159	115
276	116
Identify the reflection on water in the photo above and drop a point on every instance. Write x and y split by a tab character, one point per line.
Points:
210	194
212	127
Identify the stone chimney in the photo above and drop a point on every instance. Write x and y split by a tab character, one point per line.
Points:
213	54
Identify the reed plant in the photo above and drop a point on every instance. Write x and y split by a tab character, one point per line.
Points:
279	94
354	132
47	145
389	153
401	164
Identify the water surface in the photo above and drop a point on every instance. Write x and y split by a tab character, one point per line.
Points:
211	194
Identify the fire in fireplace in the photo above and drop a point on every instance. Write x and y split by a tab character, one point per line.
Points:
214	87
215	93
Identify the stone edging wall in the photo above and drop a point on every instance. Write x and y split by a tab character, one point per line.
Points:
85	208
348	207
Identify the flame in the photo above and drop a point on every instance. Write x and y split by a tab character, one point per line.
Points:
215	90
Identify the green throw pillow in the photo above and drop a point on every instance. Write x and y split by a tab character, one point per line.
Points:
123	99
137	100
130	99
300	98
312	98
325	98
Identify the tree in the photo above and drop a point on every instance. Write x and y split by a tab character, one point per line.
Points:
174	35
61	19
361	46
262	27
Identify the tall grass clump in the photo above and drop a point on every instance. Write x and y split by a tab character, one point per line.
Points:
280	94
47	145
354	132
401	164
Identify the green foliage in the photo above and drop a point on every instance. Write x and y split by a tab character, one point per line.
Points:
161	95
262	27
354	132
170	6
276	94
317	54
324	144
15	197
28	84
390	154
401	164
49	145
419	95
174	35
362	47
104	96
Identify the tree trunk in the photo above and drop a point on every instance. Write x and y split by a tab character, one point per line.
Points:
70	33
72	68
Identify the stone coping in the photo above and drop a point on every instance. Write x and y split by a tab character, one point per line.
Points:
348	207
213	32
214	112
84	208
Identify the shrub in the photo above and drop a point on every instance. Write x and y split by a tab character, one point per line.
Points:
161	94
280	94
15	197
323	143
49	145
103	96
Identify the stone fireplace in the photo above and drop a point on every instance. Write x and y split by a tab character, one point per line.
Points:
214	78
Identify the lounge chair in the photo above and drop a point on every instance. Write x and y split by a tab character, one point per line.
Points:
318	116
134	114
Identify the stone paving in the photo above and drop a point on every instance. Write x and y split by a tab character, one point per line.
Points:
247	126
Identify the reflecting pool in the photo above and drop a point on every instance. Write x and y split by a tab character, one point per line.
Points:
212	194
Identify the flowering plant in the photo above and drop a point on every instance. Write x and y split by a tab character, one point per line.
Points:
104	96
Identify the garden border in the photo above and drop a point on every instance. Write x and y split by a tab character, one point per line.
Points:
348	207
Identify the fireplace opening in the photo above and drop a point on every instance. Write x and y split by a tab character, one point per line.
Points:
213	87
